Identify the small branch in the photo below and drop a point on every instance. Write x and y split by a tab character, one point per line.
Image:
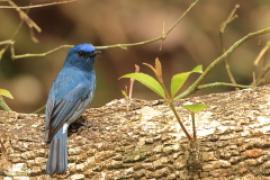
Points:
163	36
254	80
126	45
263	75
121	46
6	42
232	16
172	27
39	5
229	72
10	42
220	84
257	61
262	53
30	23
260	56
23	18
221	58
39	110
29	55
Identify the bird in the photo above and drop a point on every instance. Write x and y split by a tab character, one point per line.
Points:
71	92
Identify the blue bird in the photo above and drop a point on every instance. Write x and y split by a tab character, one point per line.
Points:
70	94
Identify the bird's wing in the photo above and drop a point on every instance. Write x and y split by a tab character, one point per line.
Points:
60	111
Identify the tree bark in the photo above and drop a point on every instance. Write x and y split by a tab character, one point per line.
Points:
136	139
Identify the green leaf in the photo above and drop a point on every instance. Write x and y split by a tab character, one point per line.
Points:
178	80
147	81
195	107
198	69
6	93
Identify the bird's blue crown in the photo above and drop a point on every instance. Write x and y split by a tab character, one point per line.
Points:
84	47
81	56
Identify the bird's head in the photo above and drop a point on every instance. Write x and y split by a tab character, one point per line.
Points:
82	56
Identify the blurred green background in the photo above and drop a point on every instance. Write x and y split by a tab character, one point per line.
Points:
194	41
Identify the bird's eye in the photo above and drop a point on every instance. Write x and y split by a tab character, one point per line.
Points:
81	54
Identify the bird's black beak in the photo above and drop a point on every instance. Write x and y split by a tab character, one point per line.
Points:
95	53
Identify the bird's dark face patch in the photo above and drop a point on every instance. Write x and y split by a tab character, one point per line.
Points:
86	54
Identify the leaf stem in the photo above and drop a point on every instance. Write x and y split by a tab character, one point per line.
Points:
172	107
193	126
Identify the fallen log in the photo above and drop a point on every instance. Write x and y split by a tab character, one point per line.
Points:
136	139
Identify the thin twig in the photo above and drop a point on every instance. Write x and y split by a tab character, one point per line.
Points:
263	75
254	80
5	42
162	41
39	110
10	42
163	36
30	23
23	18
121	46
224	84
262	54
220	59
29	55
39	5
231	17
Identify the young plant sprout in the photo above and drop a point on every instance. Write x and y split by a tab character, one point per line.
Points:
157	85
194	108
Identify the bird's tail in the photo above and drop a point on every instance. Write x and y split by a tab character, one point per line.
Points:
57	161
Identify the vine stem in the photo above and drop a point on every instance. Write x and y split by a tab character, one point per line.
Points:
193	126
224	84
231	17
220	59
